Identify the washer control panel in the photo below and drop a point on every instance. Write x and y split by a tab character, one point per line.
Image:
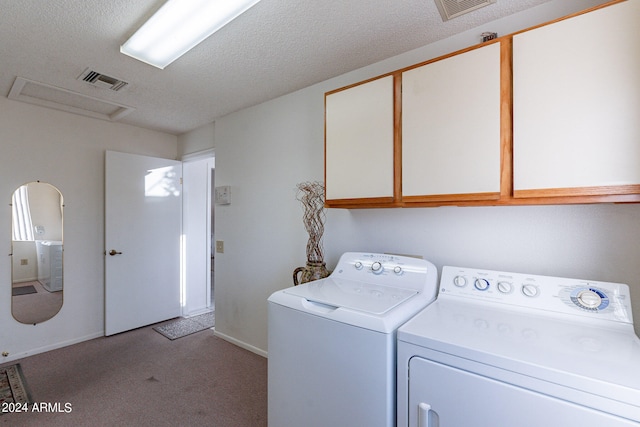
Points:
386	269
555	294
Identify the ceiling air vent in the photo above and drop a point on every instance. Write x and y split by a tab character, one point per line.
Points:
100	80
450	9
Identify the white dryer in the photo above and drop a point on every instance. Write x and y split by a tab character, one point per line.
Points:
509	349
332	342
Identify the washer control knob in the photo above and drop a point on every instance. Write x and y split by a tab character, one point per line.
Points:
589	299
460	281
376	267
481	284
530	291
505	287
397	269
358	265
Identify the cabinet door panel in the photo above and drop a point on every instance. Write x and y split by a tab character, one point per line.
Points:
451	125
576	104
359	132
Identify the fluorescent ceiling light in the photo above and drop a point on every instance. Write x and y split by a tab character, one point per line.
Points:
178	26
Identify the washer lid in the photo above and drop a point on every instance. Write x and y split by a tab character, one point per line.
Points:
361	296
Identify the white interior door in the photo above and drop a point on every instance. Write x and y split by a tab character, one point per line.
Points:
142	241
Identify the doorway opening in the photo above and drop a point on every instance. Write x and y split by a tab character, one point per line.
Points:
198	225
213	237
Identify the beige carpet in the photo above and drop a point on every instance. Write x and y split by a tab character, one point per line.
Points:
36	307
140	378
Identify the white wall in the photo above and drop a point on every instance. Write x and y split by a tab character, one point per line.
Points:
24	250
67	151
264	151
196	141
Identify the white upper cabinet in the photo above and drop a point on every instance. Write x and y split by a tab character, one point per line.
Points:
549	115
451	127
576	105
359	141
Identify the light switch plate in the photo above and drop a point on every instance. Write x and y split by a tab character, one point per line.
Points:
223	195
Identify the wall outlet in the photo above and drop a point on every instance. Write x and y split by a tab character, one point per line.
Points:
24	261
220	246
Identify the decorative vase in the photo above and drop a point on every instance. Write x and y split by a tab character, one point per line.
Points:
311	194
312	271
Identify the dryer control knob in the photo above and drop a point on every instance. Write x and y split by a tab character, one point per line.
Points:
376	267
358	265
589	299
505	287
530	290
397	269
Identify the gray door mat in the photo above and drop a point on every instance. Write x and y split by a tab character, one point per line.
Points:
186	326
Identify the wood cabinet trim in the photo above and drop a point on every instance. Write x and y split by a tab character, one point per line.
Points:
462	201
561	200
456	198
397	136
334	91
579	191
373	202
506	117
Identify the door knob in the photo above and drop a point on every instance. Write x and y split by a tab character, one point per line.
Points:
113	252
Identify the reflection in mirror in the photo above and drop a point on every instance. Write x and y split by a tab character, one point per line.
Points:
36	252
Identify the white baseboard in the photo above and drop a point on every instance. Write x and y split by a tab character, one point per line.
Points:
242	344
54	346
26	279
197	312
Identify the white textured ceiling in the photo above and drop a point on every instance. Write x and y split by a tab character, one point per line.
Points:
275	48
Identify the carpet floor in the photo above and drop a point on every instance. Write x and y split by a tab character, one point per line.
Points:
139	378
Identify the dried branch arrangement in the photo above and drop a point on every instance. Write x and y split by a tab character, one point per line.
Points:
311	195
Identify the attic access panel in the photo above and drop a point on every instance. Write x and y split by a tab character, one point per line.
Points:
58	98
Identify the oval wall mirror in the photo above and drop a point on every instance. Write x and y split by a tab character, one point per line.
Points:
36	252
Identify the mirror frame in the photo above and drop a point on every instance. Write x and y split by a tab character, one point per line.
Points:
43	279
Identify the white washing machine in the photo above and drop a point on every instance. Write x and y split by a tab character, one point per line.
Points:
508	349
332	342
49	264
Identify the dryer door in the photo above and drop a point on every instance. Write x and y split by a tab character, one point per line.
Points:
444	396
